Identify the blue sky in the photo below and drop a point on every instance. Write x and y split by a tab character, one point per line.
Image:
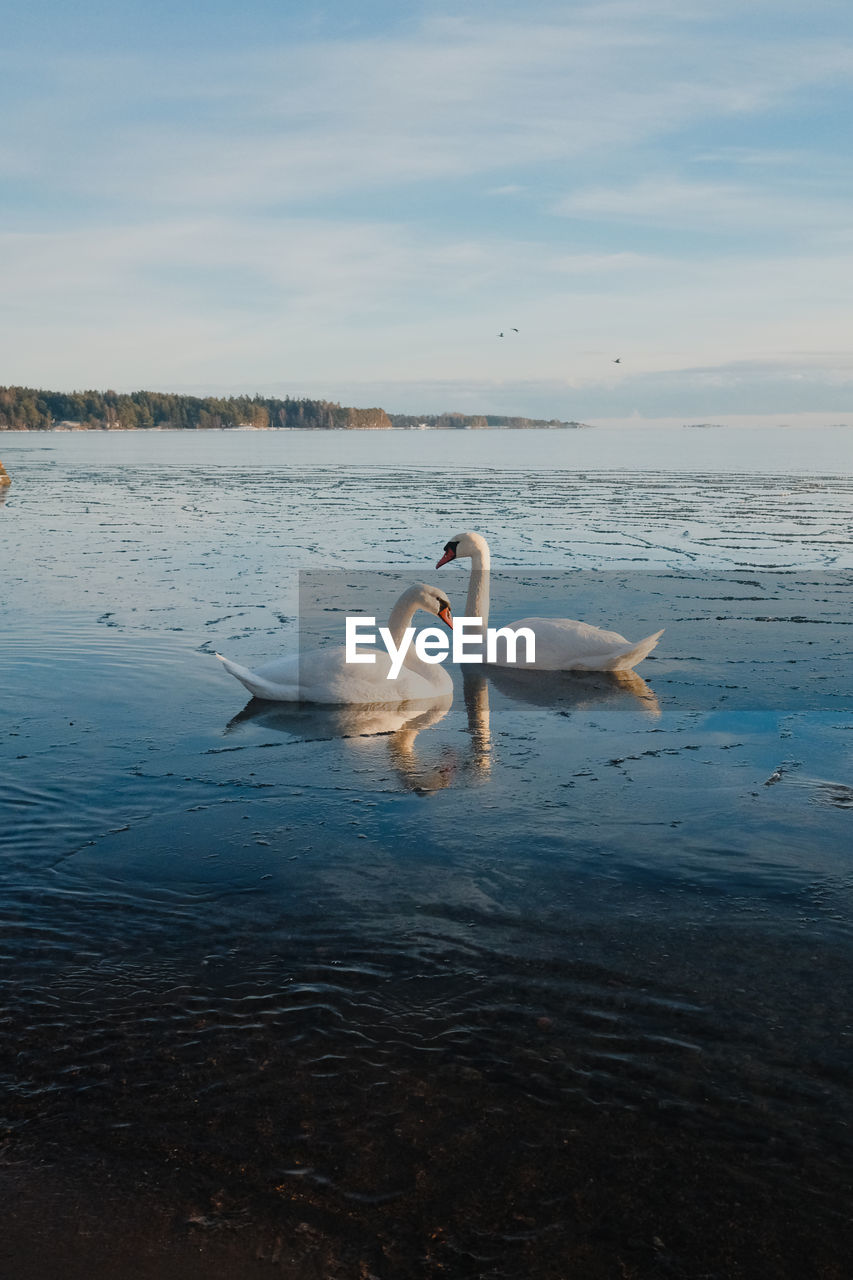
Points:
353	201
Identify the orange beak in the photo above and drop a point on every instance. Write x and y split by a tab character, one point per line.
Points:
448	555
446	616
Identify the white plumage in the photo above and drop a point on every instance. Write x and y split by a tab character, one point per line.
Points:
324	675
562	644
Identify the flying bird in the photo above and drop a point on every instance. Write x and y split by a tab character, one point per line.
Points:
618	360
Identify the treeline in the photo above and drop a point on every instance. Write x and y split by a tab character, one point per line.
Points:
26	409
472	421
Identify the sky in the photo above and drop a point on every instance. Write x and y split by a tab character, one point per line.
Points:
352	201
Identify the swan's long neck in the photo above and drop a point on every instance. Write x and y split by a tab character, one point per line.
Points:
477	604
402	613
401	616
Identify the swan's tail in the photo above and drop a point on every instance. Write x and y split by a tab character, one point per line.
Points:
626	661
254	683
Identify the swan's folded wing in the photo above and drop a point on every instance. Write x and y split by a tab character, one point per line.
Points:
324	676
318	676
627	661
562	644
260	684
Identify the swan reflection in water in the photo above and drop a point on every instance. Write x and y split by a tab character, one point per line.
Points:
468	766
567	691
401	723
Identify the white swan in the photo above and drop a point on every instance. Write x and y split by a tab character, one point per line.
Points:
324	675
561	643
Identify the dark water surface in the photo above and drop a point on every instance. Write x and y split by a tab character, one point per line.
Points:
554	982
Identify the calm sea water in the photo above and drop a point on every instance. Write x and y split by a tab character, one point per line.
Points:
558	978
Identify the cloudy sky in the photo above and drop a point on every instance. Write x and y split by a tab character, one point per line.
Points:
353	200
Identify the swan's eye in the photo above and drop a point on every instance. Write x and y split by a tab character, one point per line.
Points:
451	546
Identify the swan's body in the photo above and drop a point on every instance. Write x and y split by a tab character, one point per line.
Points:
562	644
565	645
324	675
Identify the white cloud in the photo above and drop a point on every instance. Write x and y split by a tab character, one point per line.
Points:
294	298
753	157
667	201
316	212
458	97
604	263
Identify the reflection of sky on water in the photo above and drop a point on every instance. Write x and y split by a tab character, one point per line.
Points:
656	866
156	544
208	534
401	723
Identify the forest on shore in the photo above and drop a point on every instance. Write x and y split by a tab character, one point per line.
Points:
28	409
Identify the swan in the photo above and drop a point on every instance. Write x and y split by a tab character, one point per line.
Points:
324	675
561	643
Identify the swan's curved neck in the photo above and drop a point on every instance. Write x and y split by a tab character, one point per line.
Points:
401	615
477	604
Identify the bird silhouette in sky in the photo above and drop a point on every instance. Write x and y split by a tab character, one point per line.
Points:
618	360
501	334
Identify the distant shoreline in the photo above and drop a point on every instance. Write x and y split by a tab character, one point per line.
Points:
33	409
79	430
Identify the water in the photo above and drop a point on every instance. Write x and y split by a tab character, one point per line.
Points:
554	981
